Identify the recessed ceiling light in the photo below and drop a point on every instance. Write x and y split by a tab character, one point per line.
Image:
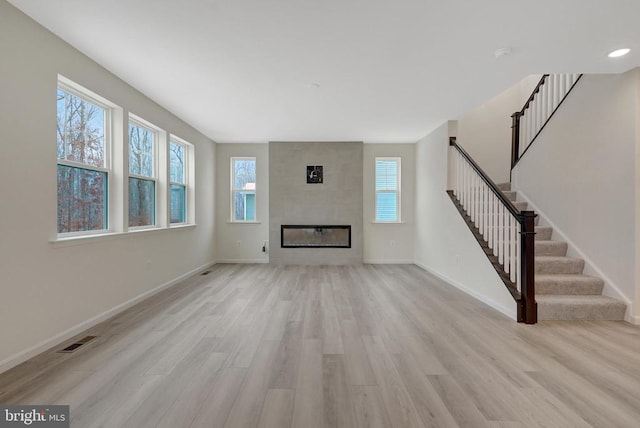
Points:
619	52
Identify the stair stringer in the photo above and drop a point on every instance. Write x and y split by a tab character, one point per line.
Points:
590	268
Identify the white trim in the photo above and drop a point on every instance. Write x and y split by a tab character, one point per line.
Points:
232	179
590	268
189	179
634	319
70	241
58	339
397	191
389	261
510	312
78	91
243	261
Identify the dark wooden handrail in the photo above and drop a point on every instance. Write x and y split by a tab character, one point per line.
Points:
515	117
527	308
534	92
494	188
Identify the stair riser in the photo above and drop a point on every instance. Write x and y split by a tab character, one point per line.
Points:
550	248
580	312
576	288
570	266
543	233
511	195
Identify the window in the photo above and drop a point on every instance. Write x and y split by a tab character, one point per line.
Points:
243	189
142	174
115	172
83	147
177	181
387	189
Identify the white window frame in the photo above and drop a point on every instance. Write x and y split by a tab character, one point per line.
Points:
155	131
234	190
85	94
188	180
116	169
398	191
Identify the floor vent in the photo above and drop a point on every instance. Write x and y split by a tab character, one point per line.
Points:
74	346
205	273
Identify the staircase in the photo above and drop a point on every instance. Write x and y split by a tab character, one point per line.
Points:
562	291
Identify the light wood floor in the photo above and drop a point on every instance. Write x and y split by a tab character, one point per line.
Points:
355	346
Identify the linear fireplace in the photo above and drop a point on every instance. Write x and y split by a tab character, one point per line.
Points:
315	236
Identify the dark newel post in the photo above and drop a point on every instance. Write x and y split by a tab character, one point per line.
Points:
529	308
515	137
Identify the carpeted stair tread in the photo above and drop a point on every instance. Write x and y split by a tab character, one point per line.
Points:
520	205
543	233
579	308
555	264
568	284
504	186
510	194
550	248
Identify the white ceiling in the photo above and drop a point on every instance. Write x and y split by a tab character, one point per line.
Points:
337	70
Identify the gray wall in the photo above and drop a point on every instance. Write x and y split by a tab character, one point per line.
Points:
443	244
39	307
389	242
241	242
338	200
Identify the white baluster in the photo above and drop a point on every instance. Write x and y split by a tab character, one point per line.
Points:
505	241
481	208
473	197
513	248
518	267
527	115
486	212
549	95
546	101
496	222
540	113
523	134
469	189
464	186
500	233
461	197
556	91
490	218
532	122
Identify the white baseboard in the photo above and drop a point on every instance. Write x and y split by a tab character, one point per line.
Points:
590	268
389	261
510	312
58	339
243	261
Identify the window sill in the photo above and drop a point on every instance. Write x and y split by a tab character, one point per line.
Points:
91	239
388	222
244	222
